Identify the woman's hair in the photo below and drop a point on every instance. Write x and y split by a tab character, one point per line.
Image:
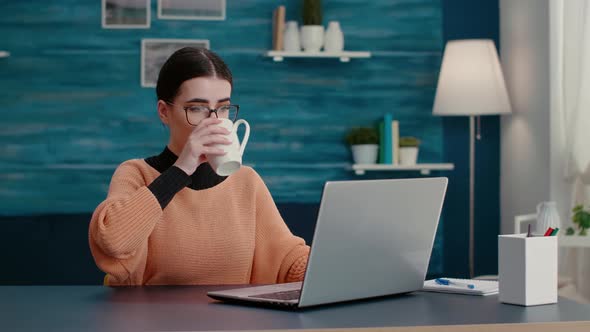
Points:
188	63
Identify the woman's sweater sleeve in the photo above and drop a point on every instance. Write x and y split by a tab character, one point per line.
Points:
279	256
120	225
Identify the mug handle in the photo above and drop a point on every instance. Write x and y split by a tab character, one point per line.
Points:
246	134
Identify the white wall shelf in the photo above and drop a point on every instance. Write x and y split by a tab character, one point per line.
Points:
4	54
574	241
344	56
360	169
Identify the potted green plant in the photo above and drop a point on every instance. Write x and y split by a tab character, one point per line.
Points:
408	150
364	144
312	31
581	219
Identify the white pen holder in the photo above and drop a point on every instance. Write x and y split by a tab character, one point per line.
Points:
527	269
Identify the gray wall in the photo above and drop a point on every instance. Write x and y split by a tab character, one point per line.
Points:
525	135
560	189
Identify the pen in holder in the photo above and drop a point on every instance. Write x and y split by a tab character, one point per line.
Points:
527	269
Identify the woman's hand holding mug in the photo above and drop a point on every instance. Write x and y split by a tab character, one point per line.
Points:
202	143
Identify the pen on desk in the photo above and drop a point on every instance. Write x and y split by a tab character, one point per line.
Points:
548	231
447	282
528	234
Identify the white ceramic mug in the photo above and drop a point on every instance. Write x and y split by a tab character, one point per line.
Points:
232	160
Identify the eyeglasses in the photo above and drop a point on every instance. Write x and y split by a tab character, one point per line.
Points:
194	114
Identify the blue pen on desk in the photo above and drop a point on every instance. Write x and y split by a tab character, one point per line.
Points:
447	282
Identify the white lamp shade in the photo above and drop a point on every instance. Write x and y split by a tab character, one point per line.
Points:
471	80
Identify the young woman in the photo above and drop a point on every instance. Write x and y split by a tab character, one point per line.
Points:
170	219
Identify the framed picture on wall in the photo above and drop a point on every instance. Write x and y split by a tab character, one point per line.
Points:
191	9
154	52
126	14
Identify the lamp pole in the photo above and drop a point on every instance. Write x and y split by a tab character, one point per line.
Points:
471	194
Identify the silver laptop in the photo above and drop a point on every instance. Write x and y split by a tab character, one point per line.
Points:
372	238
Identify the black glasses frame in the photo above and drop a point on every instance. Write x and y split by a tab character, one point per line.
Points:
211	110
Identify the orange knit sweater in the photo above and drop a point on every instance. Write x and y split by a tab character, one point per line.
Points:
231	233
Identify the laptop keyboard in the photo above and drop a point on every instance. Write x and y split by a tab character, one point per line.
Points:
285	295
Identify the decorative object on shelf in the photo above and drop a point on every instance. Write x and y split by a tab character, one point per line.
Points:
364	145
547	216
126	14
291	37
210	10
408	150
312	32
471	83
581	219
278	27
311	38
334	38
154	53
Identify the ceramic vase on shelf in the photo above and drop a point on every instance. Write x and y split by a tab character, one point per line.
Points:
334	38
312	38
291	37
312	31
547	216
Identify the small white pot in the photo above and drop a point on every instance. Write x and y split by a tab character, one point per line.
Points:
365	153
312	38
408	155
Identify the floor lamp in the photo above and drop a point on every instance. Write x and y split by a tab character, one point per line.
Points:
471	84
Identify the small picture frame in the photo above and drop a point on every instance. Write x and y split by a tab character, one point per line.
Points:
213	10
126	14
155	52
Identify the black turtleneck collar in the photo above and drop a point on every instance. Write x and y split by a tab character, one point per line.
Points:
203	178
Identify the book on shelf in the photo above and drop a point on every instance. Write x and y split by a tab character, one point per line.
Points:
387	119
381	143
395	141
388	140
278	28
274	29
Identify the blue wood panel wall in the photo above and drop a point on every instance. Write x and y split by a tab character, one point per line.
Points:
73	108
